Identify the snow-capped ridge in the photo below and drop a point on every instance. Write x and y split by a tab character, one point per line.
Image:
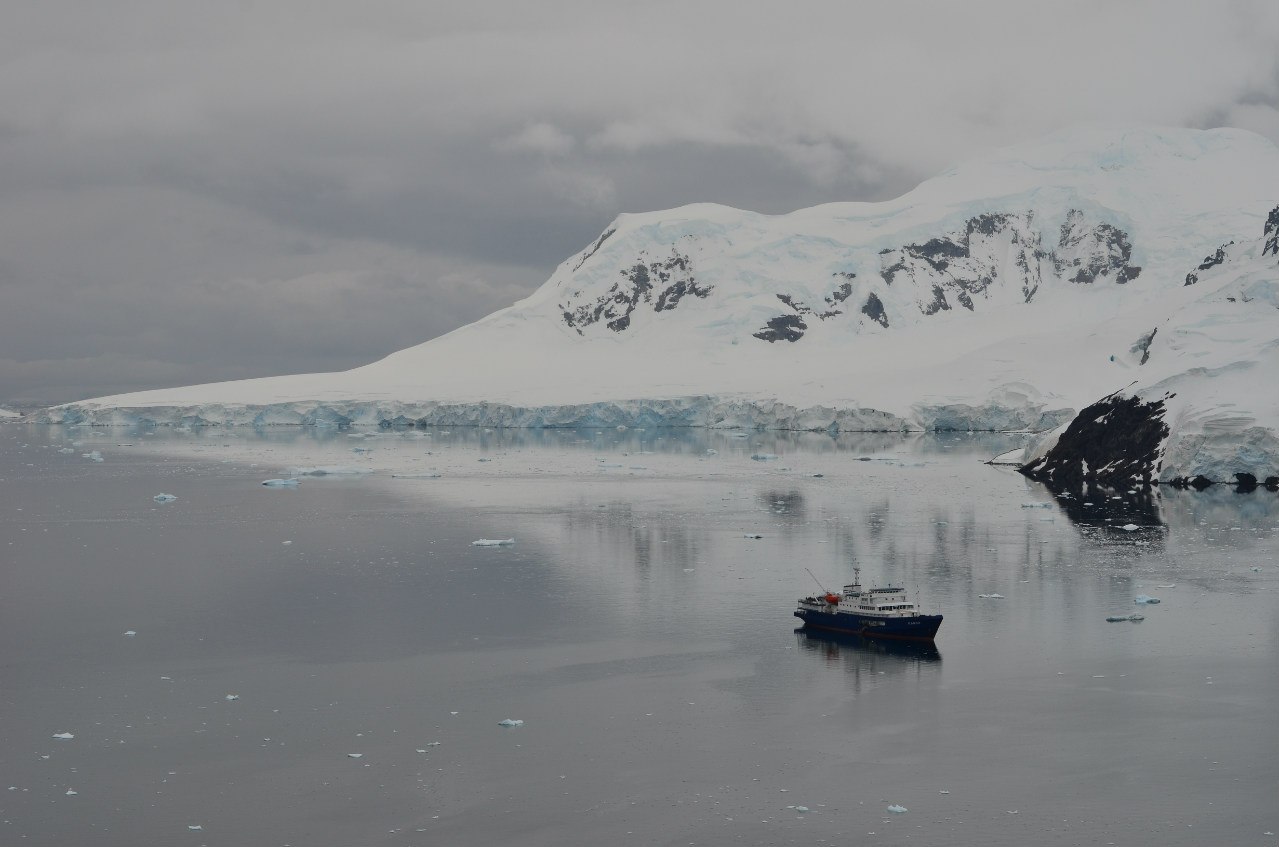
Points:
1004	294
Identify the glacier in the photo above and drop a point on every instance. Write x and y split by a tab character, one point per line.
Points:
1013	292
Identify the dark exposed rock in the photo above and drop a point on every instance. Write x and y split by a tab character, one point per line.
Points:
1200	482
783	328
1114	442
594	247
1245	482
663	283
1105	249
1143	346
1271	234
1209	262
1272	483
939	302
874	309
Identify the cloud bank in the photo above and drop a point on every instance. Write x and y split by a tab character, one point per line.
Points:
197	192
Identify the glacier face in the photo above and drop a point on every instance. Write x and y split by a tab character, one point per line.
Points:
1004	294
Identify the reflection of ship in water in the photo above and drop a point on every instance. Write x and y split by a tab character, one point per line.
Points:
837	646
867	662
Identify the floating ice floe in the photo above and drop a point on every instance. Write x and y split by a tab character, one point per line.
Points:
130	633
95	456
195	827
331	470
1145	599
763	457
164	498
1169	585
1124	618
280	483
63	736
233	696
71	792
897	810
801	809
67	450
355	755
1036	505
1130	527
415	476
510	722
493	542
991	596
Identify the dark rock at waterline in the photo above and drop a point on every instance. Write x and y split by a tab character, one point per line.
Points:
1245	482
1114	442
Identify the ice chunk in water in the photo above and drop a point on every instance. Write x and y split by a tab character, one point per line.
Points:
355	755
493	542
992	596
130	633
897	810
510	722
1145	599
233	696
763	457
63	736
280	483
164	498
1130	527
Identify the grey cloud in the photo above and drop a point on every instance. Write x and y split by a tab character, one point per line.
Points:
219	191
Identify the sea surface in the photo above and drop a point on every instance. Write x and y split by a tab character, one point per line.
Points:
328	664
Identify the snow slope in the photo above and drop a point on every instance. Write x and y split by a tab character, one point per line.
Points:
1004	294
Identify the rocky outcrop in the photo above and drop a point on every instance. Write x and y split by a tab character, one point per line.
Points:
661	284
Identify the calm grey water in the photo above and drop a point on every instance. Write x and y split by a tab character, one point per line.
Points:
644	640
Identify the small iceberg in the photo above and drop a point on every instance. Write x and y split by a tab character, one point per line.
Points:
280	483
130	633
1134	618
991	596
164	498
897	810
493	542
510	722
355	755
1130	527
63	736
1144	599
233	696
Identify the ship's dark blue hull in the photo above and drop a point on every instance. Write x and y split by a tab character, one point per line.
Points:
917	628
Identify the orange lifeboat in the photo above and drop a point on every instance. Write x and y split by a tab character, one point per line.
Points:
832	599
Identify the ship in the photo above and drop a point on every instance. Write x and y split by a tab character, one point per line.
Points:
869	612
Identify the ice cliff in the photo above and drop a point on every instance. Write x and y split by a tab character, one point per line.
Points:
1007	293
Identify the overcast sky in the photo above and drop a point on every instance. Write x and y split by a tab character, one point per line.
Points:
192	192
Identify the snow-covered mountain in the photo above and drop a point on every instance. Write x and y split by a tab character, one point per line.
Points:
1007	293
